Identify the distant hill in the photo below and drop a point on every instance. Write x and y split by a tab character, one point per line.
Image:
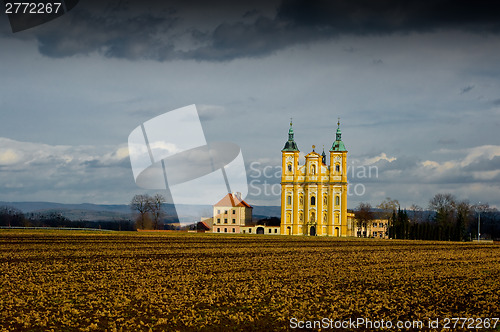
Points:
102	212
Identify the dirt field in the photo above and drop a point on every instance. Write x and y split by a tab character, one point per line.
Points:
128	281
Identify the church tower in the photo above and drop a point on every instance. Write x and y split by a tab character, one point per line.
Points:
314	195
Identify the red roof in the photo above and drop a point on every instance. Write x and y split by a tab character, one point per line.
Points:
233	201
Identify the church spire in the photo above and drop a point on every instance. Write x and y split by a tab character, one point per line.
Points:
290	145
338	145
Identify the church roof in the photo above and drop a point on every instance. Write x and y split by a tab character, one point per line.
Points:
233	201
290	145
338	145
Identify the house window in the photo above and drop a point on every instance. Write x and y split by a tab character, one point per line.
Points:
234	221
313	200
234	230
249	230
218	211
243	231
218	220
276	230
375	234
234	211
289	200
225	212
225	230
225	220
218	230
269	230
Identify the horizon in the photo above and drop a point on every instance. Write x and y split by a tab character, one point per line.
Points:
416	90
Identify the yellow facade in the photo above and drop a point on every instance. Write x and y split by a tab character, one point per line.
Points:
314	195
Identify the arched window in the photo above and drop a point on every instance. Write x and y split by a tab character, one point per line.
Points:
337	168
289	200
337	200
313	200
289	167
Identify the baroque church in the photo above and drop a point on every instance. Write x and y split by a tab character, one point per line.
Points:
314	195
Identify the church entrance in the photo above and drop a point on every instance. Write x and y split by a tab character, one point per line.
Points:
312	231
337	231
260	230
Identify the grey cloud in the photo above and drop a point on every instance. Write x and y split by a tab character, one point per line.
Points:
484	164
153	30
466	89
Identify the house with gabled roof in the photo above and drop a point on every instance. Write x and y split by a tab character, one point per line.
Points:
230	214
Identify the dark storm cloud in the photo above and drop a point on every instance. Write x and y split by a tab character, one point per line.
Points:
153	30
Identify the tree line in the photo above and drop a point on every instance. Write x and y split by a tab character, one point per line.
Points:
13	217
446	219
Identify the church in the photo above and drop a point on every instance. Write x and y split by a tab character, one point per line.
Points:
314	194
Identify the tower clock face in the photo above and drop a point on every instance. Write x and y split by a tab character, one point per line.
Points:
289	158
337	158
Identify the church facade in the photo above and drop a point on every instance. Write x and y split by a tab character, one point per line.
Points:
314	194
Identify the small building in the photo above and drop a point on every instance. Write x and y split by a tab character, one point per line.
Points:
261	229
376	228
231	214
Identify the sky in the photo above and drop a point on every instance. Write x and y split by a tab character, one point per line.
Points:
416	85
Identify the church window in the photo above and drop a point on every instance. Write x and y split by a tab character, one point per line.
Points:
313	169
289	167
337	168
289	200
337	200
313	200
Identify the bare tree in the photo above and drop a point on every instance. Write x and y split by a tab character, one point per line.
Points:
416	213
157	212
388	206
364	216
142	205
444	205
